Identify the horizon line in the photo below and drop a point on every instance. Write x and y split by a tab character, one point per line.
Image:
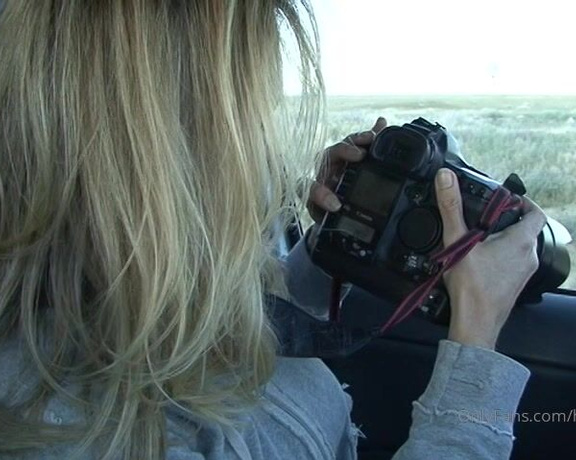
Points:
453	95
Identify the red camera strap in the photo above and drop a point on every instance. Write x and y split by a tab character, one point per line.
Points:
502	201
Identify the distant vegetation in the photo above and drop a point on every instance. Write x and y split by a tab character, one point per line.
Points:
534	137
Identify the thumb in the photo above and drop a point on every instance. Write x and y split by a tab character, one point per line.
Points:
450	205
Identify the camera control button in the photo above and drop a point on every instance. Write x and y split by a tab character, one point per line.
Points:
415	193
420	229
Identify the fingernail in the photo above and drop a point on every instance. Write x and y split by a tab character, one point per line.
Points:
445	179
332	203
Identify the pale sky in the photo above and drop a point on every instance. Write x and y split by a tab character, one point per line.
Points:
447	46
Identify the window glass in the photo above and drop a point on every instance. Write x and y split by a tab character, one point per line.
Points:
500	76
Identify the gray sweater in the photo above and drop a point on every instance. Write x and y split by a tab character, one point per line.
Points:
466	411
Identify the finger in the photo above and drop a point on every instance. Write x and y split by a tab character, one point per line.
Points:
365	138
531	224
380	124
534	217
343	152
450	205
530	206
323	197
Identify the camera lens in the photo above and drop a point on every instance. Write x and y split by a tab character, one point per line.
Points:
554	263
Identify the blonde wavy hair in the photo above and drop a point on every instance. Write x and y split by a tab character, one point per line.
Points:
146	151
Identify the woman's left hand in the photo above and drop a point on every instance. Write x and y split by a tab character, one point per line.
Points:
351	149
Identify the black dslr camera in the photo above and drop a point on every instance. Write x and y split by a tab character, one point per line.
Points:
389	224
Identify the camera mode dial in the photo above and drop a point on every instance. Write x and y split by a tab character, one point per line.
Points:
420	229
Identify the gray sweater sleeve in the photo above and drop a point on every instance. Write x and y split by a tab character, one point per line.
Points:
468	409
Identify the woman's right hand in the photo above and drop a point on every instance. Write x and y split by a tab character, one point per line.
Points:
484	286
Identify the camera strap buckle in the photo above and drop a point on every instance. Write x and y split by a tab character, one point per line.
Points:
501	202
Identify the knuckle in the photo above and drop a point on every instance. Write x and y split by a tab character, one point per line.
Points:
528	244
349	150
450	204
363	136
525	246
533	264
344	151
333	151
534	255
529	256
543	221
314	187
320	193
317	193
539	222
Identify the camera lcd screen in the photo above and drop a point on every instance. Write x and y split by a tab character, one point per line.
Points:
356	229
374	193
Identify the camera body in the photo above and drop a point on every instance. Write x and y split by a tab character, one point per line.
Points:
389	224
